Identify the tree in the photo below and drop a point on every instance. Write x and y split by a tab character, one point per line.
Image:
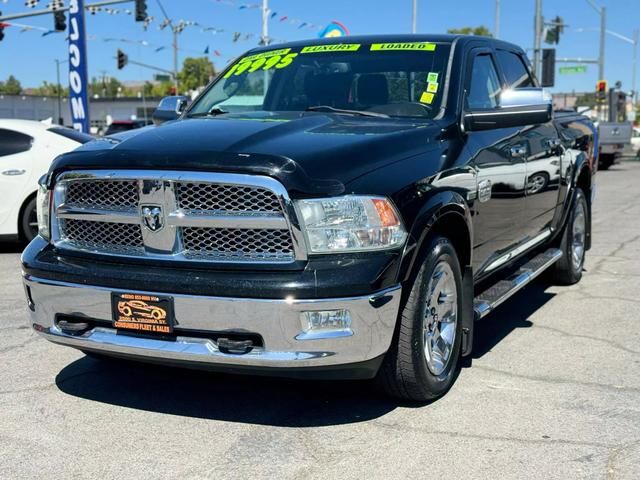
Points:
195	73
50	90
11	86
481	31
108	87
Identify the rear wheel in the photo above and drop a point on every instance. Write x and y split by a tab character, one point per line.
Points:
29	221
423	361
568	270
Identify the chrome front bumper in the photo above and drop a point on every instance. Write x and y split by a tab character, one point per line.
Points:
277	321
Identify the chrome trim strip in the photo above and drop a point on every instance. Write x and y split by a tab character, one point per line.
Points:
518	250
97	215
180	218
482	308
167	248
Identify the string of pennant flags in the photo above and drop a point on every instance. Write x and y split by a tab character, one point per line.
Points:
178	26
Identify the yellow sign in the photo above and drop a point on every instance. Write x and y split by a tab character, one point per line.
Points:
270	53
340	47
424	46
427	98
261	62
432	87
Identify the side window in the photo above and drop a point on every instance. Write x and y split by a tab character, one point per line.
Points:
13	142
485	85
514	70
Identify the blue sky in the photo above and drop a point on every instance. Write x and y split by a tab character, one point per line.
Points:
29	56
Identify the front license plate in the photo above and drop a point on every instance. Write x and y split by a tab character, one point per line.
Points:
142	313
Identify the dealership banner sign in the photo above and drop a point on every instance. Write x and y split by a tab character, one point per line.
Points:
78	82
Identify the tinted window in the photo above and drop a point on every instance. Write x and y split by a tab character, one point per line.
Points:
485	85
514	70
13	142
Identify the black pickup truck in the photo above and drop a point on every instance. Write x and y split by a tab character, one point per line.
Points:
342	208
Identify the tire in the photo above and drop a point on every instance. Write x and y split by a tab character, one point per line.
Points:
606	161
29	221
568	270
412	369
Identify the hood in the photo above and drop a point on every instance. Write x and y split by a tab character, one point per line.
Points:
310	152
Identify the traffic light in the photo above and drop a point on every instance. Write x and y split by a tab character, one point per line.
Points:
59	21
141	10
553	33
2	25
548	67
123	59
601	86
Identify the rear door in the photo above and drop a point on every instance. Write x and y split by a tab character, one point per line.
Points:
541	148
500	165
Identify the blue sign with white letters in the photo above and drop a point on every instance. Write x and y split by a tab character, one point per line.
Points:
78	84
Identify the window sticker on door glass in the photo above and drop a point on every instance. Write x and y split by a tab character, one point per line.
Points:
432	87
340	47
425	46
427	98
432	77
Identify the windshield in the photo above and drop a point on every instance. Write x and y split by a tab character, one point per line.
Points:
391	79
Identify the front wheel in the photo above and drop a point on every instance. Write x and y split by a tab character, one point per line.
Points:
29	221
423	361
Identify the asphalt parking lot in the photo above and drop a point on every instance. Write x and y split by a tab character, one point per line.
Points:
554	392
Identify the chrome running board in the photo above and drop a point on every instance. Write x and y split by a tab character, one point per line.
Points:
498	293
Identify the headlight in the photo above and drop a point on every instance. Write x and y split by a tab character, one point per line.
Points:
43	208
351	223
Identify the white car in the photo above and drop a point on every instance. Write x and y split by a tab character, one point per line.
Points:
27	148
635	141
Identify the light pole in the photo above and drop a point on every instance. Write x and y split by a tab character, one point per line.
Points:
175	31
414	16
537	38
497	25
602	11
59	89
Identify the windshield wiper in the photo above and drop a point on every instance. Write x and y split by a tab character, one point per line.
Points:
214	112
327	108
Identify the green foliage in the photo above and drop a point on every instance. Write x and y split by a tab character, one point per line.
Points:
11	86
106	87
195	73
50	90
481	31
157	89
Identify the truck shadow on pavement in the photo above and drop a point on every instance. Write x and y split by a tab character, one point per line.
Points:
11	247
264	400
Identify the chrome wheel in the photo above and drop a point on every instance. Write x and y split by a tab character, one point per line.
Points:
578	236
536	183
441	318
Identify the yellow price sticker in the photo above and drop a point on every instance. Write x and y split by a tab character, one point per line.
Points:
254	63
432	87
427	98
424	46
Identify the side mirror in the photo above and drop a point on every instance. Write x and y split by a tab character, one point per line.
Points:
517	108
170	108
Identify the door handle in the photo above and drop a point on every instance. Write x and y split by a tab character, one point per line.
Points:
518	151
14	173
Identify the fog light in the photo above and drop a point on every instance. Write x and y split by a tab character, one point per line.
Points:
325	324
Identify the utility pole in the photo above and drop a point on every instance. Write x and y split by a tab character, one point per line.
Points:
414	17
634	98
175	44
537	38
497	25
59	90
264	38
603	31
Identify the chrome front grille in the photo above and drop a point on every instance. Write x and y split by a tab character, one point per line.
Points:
111	194
103	236
176	216
237	243
227	198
